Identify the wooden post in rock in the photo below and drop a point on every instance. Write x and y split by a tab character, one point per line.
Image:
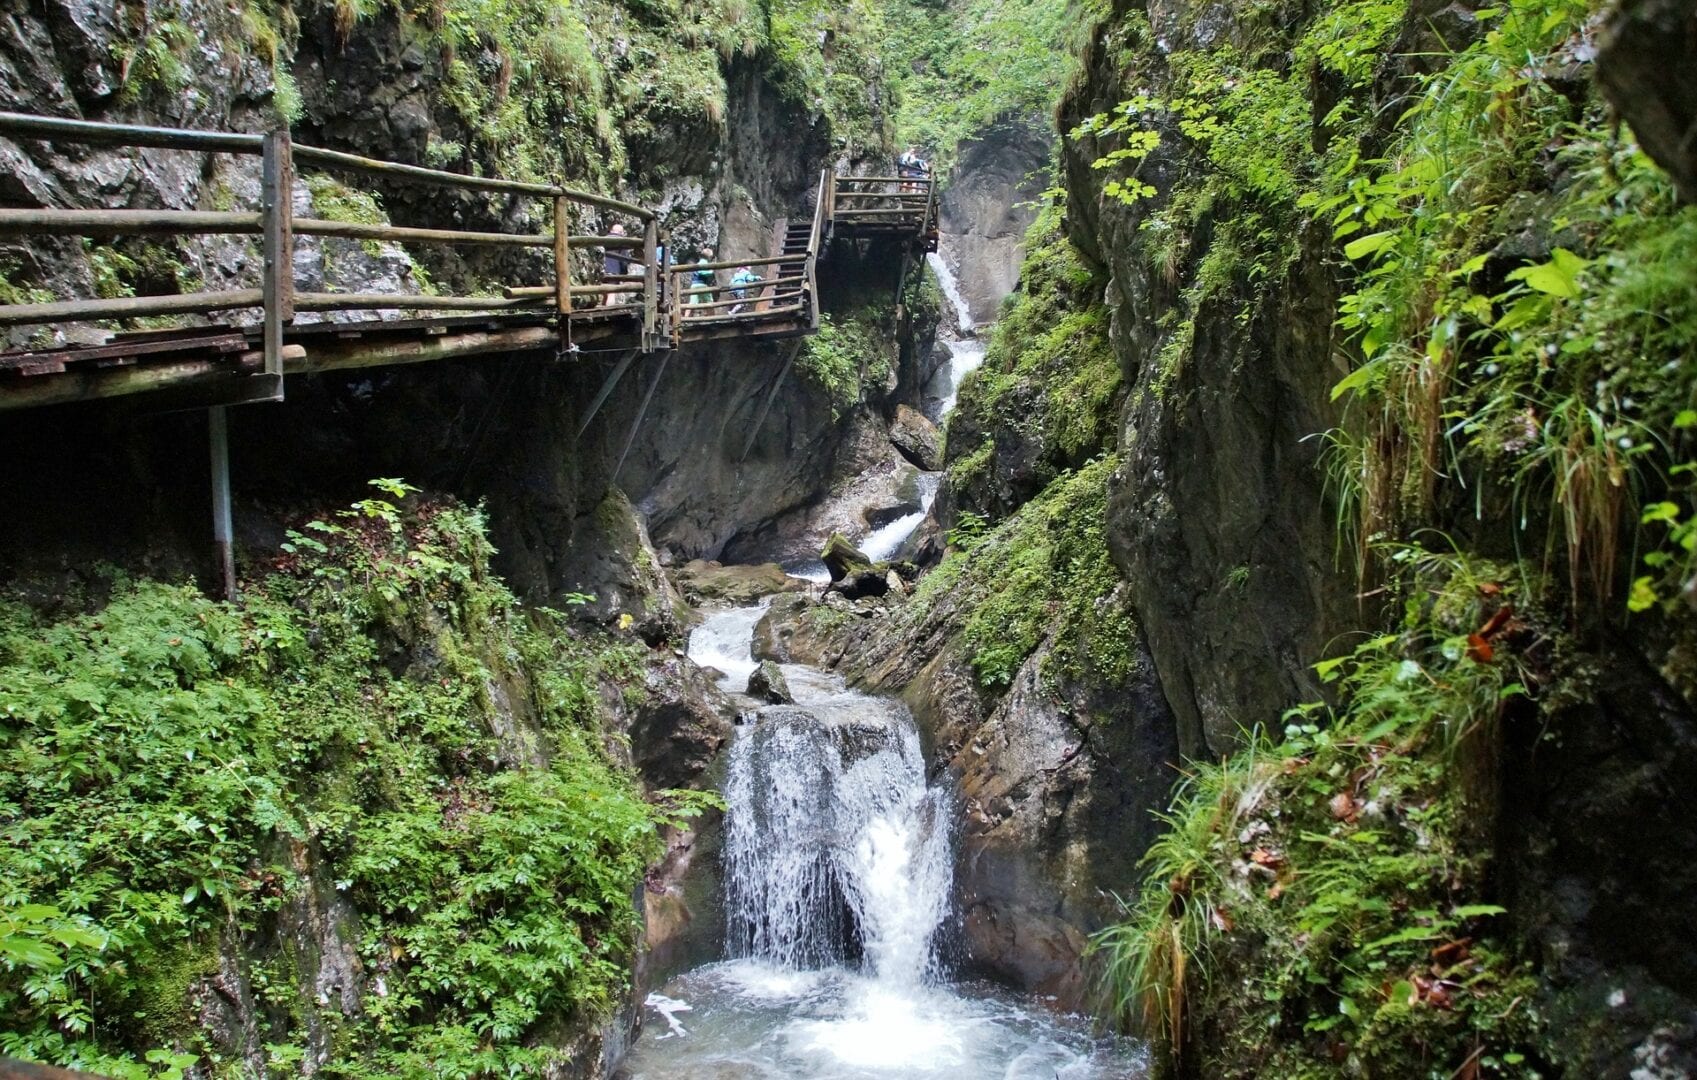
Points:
277	207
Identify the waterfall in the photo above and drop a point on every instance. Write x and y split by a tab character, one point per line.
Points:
724	642
951	290
834	843
837	865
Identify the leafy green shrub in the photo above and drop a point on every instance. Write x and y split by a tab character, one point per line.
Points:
176	769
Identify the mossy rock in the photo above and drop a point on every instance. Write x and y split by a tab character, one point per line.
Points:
842	558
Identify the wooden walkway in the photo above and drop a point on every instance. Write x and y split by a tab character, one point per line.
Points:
653	308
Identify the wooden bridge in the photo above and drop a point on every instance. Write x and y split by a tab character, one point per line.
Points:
651	308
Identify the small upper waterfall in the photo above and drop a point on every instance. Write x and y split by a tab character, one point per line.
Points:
951	290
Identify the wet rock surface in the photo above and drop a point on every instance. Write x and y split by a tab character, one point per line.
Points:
917	438
1644	68
768	684
703	580
990	201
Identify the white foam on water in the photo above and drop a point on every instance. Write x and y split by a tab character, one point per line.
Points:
725	640
668	1008
883	542
965	357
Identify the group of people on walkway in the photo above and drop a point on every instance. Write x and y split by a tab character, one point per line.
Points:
618	265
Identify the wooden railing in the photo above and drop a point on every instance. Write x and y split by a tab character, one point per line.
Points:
696	306
897	207
275	222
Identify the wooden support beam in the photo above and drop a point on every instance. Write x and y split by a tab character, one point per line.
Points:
562	291
277	206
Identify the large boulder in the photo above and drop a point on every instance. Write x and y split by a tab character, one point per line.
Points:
1644	68
767	683
612	563
916	438
702	580
842	558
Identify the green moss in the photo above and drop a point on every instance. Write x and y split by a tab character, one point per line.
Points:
1044	572
848	357
1049	370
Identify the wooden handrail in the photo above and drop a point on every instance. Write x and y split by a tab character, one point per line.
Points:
88	131
55	222
690	268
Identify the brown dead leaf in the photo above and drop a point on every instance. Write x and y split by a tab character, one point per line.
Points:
1479	650
1221	921
1276	889
1495	623
1264	857
1451	953
1489	588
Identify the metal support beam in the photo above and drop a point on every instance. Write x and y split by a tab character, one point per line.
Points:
636	425
766	406
606	389
223	536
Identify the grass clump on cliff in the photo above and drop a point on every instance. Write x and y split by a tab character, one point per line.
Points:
376	754
845	358
1049	371
1343	867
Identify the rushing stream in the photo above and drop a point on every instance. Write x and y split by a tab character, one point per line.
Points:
838	867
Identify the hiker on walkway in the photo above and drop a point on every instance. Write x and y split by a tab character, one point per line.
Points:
740	282
614	263
911	168
701	278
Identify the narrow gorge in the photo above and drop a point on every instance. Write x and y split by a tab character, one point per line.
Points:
650	539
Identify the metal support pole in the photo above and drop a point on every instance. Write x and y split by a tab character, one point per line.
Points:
217	424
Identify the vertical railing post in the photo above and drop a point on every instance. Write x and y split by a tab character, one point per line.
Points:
677	313
650	285
223	539
277	208
562	256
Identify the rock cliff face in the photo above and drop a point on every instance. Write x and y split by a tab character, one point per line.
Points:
1223	526
1217	514
990	201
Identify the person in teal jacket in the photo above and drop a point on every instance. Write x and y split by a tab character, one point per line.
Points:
740	282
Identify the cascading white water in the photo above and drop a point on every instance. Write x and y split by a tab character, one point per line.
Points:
833	839
723	642
838	867
881	543
965	356
951	291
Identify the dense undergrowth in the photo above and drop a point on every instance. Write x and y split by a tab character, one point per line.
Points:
1340	868
375	754
1518	317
